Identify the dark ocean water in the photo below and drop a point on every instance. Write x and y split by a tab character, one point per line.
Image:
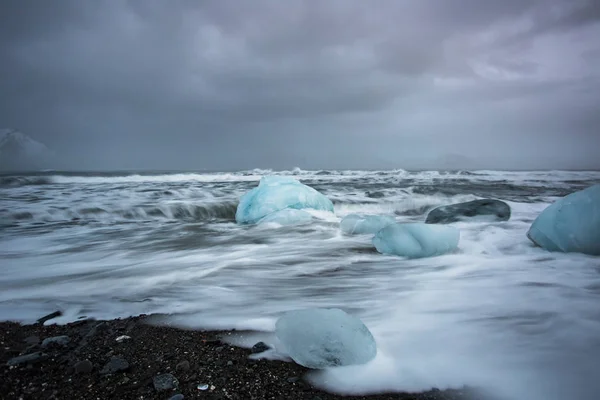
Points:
499	312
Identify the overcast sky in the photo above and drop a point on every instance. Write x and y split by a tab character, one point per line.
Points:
316	84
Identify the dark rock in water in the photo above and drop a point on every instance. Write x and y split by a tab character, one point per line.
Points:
260	347
164	382
178	396
183	366
56	340
25	359
494	209
49	317
83	367
116	364
375	195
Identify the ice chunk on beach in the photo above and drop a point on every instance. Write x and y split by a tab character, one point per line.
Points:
356	224
319	338
571	224
482	209
416	240
289	216
276	193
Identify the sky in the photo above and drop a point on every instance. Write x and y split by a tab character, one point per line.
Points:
229	85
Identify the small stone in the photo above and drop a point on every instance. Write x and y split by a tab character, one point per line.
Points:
116	364
229	363
83	367
178	396
49	317
165	382
260	347
27	358
32	340
123	338
183	366
56	340
220	348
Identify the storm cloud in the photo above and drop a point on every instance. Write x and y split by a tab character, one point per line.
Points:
316	84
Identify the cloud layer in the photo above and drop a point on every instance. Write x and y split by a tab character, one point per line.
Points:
336	84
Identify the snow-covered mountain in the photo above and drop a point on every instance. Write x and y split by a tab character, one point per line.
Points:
19	151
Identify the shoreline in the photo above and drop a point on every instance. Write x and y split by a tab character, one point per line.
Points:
91	364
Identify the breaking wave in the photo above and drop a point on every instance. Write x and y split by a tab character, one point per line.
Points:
177	211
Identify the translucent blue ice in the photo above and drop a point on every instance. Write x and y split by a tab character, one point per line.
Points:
416	240
355	224
571	224
276	193
289	216
319	338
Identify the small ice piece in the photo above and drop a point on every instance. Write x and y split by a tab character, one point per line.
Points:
276	193
202	386
571	224
123	338
289	216
320	338
416	240
479	210
357	224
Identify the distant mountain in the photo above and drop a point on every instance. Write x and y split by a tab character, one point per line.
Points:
20	152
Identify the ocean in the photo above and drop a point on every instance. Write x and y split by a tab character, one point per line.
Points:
499	313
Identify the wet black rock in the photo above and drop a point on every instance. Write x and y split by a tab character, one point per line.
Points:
49	317
56	341
116	364
260	347
32	340
26	359
165	382
83	367
183	366
495	210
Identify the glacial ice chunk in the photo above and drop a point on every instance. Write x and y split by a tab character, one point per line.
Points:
356	224
482	209
276	193
319	338
288	216
571	224
416	240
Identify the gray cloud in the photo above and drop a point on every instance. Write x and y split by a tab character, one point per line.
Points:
336	84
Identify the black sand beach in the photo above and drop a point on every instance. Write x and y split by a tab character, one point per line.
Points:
155	362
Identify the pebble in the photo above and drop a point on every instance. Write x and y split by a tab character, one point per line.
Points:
58	340
83	367
260	347
178	396
32	340
293	379
183	366
229	363
123	338
27	358
165	382
116	364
